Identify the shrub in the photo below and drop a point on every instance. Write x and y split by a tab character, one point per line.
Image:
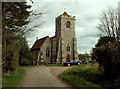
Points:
8	61
25	62
82	77
108	57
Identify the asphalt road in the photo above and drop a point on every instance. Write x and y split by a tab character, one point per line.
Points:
41	76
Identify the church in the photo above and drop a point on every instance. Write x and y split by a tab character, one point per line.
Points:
60	48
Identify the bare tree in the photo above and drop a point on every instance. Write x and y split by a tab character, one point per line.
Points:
109	25
32	21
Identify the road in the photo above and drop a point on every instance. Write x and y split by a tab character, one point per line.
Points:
41	76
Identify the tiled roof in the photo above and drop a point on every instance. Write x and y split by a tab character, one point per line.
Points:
38	43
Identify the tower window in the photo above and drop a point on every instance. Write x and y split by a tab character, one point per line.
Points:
68	24
68	48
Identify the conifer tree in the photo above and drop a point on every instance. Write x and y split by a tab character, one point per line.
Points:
14	17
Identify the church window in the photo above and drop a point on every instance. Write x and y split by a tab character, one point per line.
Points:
68	48
68	24
47	52
41	53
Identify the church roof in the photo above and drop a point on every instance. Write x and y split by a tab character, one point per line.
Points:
38	43
65	13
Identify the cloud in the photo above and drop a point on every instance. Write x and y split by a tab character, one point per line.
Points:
86	13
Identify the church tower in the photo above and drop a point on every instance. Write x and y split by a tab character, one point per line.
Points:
66	38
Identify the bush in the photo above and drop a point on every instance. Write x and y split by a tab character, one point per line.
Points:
82	77
8	61
25	62
116	84
84	74
108	57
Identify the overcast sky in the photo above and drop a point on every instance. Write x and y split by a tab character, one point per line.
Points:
85	11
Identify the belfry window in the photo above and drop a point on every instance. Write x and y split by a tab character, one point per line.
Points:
68	24
68	48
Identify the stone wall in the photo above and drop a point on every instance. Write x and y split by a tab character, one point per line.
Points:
46	46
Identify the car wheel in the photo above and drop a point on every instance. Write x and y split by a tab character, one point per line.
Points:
68	64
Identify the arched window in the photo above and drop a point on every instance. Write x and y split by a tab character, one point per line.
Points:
41	53
68	48
68	58
68	24
47	52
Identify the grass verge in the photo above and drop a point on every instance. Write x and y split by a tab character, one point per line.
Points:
82	76
55	65
13	80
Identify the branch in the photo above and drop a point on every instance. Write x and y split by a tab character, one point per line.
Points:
32	28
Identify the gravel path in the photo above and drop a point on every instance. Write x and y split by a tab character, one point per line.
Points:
41	76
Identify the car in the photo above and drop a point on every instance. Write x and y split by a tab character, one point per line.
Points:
71	63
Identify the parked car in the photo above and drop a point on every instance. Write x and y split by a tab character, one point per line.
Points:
71	63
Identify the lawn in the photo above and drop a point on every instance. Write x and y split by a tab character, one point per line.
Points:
13	80
83	76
